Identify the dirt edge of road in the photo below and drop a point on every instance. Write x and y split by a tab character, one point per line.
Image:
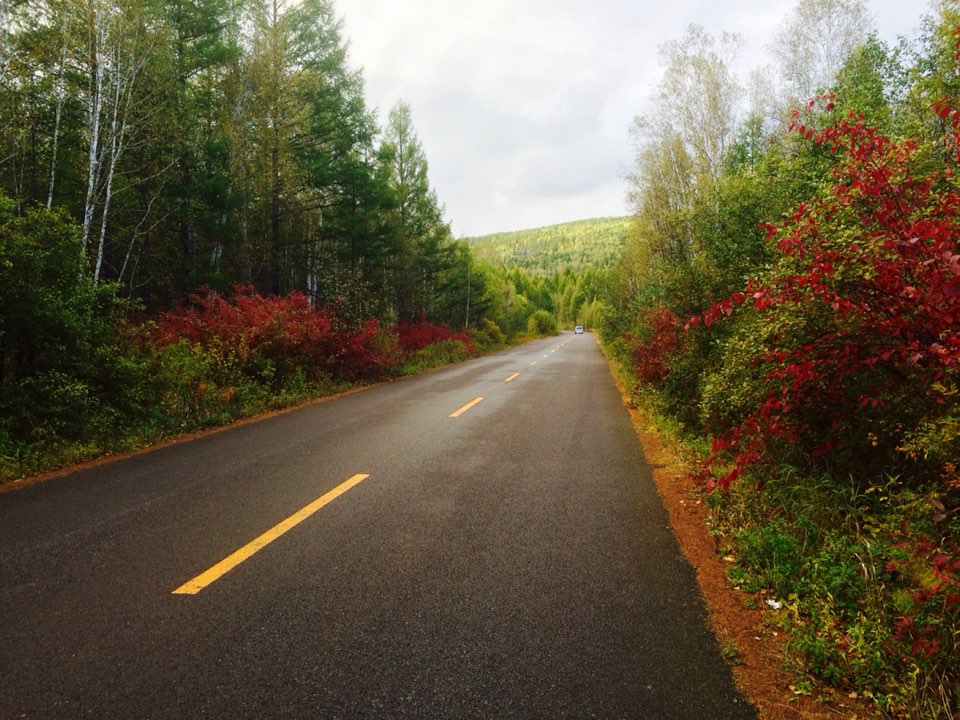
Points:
755	653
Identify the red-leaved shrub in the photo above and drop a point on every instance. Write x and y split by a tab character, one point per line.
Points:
289	332
414	336
874	264
651	353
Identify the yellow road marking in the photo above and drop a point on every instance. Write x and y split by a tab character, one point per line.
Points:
466	407
533	363
512	377
546	356
228	563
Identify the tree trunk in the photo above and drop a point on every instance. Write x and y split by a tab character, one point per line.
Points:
61	93
98	35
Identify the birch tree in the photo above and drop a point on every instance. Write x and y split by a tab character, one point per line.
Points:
60	94
98	35
699	94
41	48
682	147
815	40
117	50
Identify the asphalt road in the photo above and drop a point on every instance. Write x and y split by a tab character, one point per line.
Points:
514	561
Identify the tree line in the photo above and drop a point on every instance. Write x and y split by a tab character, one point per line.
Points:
215	142
578	246
788	304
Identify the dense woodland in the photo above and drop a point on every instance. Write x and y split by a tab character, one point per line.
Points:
212	142
789	306
578	246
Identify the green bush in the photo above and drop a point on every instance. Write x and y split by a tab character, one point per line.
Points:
856	579
542	324
436	355
59	363
488	335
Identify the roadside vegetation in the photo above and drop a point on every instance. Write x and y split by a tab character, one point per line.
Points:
83	379
788	305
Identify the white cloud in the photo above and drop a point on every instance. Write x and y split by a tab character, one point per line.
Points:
523	106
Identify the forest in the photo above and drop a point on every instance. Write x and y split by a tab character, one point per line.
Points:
788	309
561	270
212	143
578	246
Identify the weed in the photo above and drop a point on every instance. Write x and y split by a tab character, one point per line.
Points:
732	652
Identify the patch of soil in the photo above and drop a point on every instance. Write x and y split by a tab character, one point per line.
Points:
736	617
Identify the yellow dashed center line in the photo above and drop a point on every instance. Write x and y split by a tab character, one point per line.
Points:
227	564
466	407
512	377
533	363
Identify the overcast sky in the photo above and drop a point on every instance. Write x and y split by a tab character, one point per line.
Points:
523	106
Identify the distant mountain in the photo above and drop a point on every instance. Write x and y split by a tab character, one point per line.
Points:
576	245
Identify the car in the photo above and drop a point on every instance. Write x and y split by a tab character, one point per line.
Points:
578	330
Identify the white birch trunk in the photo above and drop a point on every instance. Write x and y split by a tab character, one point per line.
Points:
117	70
7	47
61	94
115	150
98	40
122	91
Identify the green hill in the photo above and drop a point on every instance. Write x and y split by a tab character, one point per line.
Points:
576	245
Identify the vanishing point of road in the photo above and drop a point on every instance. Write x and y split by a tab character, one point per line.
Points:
481	541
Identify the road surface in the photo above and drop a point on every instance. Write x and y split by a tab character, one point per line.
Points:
410	551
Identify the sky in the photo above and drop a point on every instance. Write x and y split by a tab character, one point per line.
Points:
523	107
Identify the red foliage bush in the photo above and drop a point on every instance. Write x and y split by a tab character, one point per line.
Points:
924	630
289	332
651	357
368	352
247	322
876	261
414	336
